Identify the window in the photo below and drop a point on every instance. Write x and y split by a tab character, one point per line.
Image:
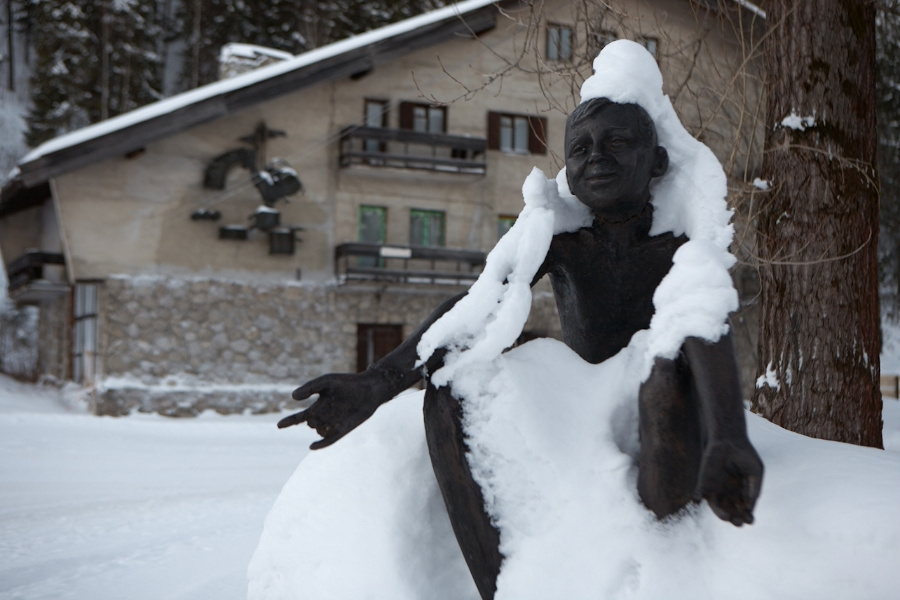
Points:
372	229
84	343
373	342
504	224
376	115
519	134
651	45
423	117
559	42
601	40
426	227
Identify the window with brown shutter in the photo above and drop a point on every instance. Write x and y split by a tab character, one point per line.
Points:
423	117
537	135
493	131
517	134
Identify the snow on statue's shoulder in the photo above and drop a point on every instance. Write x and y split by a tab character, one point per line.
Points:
688	200
491	316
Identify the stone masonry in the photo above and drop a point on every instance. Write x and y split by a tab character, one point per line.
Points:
180	346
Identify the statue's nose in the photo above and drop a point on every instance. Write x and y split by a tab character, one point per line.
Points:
599	154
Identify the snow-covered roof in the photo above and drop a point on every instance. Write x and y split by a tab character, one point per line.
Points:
235	50
154	121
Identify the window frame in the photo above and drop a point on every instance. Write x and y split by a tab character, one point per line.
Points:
601	40
536	136
442	231
408	117
85	331
384	105
554	49
647	41
371	261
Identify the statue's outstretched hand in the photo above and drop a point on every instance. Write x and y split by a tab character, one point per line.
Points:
730	481
345	401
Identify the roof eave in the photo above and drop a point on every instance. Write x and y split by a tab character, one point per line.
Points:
16	196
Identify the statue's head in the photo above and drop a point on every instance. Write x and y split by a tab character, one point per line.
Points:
611	155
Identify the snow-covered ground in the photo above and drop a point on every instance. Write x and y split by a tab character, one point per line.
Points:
136	507
144	506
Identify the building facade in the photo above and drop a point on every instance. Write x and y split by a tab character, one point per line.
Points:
218	248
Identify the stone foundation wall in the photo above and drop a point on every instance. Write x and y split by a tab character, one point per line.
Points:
180	346
55	338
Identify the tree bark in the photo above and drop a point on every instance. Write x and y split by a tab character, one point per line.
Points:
818	226
11	43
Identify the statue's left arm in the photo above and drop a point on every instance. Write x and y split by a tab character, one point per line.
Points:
731	471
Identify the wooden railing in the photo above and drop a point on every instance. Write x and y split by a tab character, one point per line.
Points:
890	386
407	264
30	267
407	149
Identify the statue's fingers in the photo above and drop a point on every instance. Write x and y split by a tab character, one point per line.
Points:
293	419
308	389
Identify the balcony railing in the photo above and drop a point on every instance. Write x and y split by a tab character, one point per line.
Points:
407	149
407	264
28	282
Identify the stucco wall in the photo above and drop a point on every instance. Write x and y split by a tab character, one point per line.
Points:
132	215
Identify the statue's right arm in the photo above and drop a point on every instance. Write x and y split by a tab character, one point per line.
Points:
347	399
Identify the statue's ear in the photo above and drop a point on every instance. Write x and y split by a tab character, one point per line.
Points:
660	162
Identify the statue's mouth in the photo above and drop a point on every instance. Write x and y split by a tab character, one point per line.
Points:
602	177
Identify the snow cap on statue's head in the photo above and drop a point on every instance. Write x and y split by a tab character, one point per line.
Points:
690	198
626	73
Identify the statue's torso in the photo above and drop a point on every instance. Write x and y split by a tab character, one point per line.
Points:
604	287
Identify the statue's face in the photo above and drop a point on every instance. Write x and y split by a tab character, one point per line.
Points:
611	156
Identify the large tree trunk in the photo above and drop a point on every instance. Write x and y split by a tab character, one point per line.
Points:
11	43
818	226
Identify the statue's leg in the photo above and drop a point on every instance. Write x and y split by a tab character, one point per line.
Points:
671	439
478	539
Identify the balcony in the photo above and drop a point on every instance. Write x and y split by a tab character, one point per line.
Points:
359	261
407	149
28	283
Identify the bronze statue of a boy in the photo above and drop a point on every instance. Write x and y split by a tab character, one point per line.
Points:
693	439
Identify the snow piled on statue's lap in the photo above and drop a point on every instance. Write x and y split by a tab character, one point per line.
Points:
364	518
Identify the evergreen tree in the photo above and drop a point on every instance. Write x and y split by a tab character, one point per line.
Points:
290	25
94	59
62	76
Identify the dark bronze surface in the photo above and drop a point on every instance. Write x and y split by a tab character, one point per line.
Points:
694	441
